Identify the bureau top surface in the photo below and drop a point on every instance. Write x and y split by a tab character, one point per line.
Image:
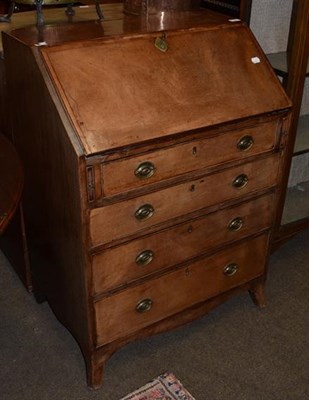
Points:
119	89
58	28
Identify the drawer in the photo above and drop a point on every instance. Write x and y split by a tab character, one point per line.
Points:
129	217
137	307
119	176
122	264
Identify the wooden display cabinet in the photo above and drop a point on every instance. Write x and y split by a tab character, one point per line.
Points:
235	8
293	67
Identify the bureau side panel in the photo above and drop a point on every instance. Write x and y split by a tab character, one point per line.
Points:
53	205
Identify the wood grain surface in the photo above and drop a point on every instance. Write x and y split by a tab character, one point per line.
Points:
173	292
92	103
116	266
107	224
116	100
11	181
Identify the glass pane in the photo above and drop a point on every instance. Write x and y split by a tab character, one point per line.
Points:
296	205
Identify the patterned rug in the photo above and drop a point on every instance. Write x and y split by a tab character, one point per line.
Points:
164	387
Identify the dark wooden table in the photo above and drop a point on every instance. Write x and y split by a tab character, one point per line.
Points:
11	182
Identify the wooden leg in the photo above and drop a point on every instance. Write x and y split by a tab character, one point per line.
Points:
99	11
70	11
257	294
7	17
94	374
39	13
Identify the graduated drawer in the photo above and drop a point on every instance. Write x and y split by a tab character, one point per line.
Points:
137	307
131	173
122	264
125	218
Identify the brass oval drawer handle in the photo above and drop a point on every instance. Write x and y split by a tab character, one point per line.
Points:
144	258
236	224
230	269
145	170
245	143
144	212
240	181
144	305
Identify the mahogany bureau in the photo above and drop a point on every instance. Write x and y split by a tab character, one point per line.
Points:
152	157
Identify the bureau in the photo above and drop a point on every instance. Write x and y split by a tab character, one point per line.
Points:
153	155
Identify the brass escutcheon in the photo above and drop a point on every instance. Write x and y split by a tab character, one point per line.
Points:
240	181
190	229
161	43
144	212
235	224
145	170
230	269
245	143
144	305
144	258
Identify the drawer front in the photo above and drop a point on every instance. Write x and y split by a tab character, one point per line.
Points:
119	176
121	219
137	307
120	265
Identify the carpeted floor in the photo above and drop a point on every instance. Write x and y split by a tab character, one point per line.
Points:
235	353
